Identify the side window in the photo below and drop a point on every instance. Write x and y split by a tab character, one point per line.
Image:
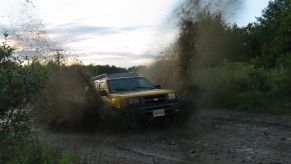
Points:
102	86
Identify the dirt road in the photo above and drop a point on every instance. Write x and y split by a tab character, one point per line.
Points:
210	136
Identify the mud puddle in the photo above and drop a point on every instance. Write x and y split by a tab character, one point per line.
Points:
210	136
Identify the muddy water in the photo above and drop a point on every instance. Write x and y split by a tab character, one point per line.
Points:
210	136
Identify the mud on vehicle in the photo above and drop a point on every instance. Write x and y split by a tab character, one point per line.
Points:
129	90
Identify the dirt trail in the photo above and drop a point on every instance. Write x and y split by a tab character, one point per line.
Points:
210	136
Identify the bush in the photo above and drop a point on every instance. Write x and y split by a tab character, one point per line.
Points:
22	93
22	150
241	86
21	86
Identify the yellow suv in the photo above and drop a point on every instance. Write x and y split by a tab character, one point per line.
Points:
129	90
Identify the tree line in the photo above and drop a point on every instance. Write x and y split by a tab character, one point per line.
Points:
102	69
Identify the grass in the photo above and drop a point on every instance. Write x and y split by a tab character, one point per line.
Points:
21	150
27	150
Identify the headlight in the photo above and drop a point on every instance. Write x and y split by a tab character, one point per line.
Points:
133	100
127	101
171	96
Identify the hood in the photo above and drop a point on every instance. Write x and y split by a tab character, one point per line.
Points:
139	93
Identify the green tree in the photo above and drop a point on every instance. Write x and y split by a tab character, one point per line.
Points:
136	69
20	86
5	49
280	46
102	69
269	38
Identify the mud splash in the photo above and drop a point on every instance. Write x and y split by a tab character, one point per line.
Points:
27	29
198	23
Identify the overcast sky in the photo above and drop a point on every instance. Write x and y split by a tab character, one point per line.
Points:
115	32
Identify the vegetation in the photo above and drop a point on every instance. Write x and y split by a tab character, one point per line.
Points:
21	85
241	86
136	68
102	69
21	150
22	88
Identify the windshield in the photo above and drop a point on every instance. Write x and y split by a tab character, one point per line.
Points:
129	84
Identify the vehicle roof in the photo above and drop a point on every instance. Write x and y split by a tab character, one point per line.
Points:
124	77
115	75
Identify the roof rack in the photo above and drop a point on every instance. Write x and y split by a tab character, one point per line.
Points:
115	75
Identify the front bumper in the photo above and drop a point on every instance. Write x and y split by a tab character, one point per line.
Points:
171	108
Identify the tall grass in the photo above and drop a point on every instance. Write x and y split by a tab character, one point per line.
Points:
22	150
25	150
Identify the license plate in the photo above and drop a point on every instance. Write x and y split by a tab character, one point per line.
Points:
160	112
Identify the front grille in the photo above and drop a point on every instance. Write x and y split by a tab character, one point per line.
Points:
149	111
155	99
162	107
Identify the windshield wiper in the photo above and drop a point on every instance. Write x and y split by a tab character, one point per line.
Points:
144	87
121	89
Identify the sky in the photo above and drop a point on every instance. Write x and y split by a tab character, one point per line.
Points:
115	32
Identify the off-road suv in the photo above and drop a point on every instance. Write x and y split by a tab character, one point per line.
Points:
122	90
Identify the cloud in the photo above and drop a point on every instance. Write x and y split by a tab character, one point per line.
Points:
130	55
124	46
135	27
100	30
70	33
93	29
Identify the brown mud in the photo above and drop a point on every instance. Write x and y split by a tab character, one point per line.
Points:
209	136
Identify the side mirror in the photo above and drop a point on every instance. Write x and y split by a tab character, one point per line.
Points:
158	86
103	93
